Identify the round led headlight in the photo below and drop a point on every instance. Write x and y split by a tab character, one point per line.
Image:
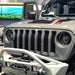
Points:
9	35
64	38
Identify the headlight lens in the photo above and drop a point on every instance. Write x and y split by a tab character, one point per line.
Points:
64	38
9	35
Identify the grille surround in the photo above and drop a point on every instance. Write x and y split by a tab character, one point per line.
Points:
59	52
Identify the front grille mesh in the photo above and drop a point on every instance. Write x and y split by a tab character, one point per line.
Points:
38	41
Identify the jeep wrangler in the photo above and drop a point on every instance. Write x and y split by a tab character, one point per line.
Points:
48	39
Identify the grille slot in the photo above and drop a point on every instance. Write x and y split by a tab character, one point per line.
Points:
26	39
33	40
46	41
52	41
39	41
20	39
15	39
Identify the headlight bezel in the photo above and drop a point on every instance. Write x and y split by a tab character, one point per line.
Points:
5	35
59	43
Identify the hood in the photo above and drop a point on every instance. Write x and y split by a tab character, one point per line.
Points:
69	25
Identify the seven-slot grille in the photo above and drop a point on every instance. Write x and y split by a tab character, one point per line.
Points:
38	41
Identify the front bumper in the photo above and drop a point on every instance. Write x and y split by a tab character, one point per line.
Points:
35	67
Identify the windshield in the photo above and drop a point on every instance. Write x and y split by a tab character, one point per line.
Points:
59	9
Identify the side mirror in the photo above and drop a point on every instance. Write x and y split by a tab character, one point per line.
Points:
31	15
